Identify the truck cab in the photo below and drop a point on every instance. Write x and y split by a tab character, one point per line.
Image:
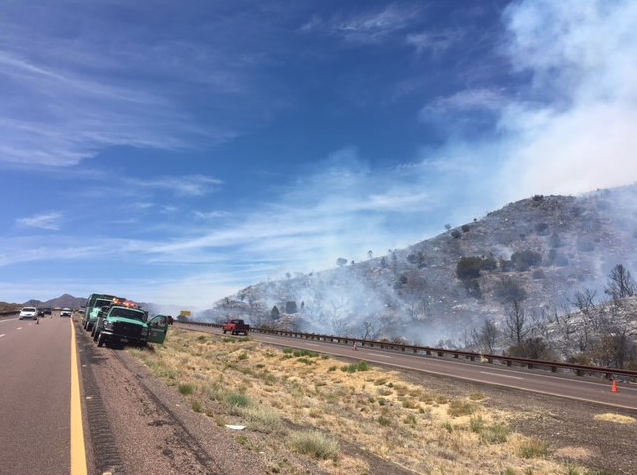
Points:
127	323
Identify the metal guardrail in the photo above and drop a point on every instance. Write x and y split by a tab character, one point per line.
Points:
553	366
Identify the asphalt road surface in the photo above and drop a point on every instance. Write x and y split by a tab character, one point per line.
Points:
539	381
35	394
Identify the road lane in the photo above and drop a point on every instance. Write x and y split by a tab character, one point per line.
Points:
34	397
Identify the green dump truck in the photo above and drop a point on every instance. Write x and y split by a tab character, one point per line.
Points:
94	305
126	323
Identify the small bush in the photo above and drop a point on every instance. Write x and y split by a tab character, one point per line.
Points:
534	448
315	444
384	421
237	400
186	389
306	361
495	434
197	405
352	368
262	420
476	424
525	259
460	408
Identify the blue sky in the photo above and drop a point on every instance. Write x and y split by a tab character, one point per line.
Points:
175	152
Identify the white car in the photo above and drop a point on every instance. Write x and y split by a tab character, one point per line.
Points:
29	312
66	312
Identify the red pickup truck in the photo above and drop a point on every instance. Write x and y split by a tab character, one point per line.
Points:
236	326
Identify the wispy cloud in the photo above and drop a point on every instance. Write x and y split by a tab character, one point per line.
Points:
187	185
366	27
433	42
49	221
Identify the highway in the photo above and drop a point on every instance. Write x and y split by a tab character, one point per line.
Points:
35	396
135	424
562	385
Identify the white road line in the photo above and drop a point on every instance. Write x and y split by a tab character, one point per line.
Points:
501	375
2	335
19	328
312	344
382	356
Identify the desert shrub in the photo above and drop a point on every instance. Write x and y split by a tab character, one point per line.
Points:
554	240
525	259
538	197
495	434
261	419
489	263
465	228
237	400
460	408
506	265
472	286
508	290
186	389
469	267
534	448
455	234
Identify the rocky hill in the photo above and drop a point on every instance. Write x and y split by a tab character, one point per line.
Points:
537	252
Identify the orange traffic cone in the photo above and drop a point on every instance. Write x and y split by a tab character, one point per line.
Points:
614	388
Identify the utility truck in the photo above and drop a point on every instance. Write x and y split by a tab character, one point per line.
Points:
94	305
127	323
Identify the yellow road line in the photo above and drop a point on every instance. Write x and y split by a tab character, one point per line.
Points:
78	451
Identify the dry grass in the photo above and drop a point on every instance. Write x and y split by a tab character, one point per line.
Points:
296	401
617	418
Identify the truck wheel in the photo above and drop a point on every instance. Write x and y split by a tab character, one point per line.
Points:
96	335
101	339
224	330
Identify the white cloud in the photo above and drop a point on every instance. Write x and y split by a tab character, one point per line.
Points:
49	221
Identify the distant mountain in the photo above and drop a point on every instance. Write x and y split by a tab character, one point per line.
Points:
62	301
537	252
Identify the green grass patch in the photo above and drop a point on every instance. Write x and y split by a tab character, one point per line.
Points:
534	448
352	368
186	389
237	400
306	361
460	408
315	444
495	434
261	419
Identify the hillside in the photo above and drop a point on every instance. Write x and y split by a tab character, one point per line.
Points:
537	251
